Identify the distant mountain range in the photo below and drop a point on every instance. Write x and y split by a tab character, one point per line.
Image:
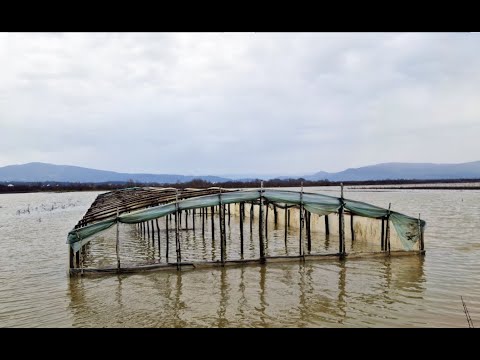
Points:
36	171
410	171
40	172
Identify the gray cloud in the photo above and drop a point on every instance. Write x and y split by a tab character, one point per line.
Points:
217	103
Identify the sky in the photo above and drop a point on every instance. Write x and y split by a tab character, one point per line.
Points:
238	103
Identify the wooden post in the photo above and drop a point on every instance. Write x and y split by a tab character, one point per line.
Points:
158	238
288	217
351	227
77	259
81	260
285	225
266	219
309	232
224	231
144	229
71	255
186	219
387	235
153	234
260	226
228	214
202	210
193	220
118	242
301	223
168	240
212	212
274	214
327	227
341	225
242	205
177	237
382	238
251	218
420	230
148	230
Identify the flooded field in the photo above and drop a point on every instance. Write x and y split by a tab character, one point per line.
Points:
411	291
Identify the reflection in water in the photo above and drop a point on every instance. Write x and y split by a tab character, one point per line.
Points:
327	294
341	301
222	308
263	304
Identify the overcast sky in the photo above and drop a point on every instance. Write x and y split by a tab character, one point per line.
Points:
251	103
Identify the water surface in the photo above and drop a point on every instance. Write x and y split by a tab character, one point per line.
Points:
412	291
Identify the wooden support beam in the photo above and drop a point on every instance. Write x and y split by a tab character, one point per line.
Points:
308	230
242	206
327	227
212	212
177	235
275	214
260	227
341	225
421	245
285	225
387	230
71	255
117	247
352	230
167	242
153	233
225	230
158	239
228	214
193	220
382	235
202	210
251	218
266	219
221	216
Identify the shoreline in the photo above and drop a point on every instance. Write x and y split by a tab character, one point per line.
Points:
57	187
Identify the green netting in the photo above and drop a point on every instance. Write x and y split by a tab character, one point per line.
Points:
408	228
81	234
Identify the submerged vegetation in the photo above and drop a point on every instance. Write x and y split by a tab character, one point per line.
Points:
25	187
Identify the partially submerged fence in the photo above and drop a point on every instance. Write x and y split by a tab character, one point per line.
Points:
143	207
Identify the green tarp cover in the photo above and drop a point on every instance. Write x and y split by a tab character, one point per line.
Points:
407	228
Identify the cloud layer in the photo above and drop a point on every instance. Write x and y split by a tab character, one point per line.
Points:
251	103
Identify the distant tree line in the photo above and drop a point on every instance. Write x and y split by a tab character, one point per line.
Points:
25	187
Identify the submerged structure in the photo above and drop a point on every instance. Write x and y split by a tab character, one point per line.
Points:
156	214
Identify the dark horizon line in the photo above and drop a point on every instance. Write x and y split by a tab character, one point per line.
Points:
61	186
